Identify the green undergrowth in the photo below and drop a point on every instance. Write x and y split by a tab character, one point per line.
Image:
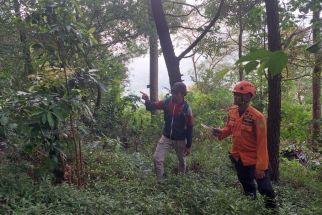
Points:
122	182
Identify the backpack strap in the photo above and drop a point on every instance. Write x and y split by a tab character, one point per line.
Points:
166	103
185	109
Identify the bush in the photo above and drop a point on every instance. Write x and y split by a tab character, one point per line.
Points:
296	120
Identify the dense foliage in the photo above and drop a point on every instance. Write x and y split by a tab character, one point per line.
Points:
63	108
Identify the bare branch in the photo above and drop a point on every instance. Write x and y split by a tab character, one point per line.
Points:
190	55
300	65
201	36
296	78
181	15
198	57
185	27
215	63
295	33
189	5
231	37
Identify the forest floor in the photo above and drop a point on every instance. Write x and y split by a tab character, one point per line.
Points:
122	181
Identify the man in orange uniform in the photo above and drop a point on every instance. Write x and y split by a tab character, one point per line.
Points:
249	150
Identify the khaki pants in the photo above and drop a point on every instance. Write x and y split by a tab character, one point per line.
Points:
164	145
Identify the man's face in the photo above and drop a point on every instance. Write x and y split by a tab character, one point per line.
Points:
177	96
238	99
241	99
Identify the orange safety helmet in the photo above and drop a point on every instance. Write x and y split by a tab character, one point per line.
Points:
245	87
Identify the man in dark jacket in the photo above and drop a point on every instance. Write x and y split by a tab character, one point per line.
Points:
177	130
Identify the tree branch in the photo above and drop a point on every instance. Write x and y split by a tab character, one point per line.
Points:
201	36
185	27
248	9
300	65
296	78
189	55
181	15
189	5
295	33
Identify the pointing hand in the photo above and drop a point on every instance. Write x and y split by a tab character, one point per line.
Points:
144	96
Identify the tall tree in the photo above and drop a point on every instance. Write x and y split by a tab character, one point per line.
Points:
316	81
23	39
153	43
306	9
274	85
171	60
240	37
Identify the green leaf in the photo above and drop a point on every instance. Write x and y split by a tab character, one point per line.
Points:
50	120
251	66
258	54
77	7
68	28
58	115
13	125
93	41
54	159
262	67
277	62
44	119
81	48
92	30
4	120
38	113
221	74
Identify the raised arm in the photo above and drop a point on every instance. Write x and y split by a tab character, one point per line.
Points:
150	105
223	132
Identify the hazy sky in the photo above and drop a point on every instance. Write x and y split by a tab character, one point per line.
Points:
139	74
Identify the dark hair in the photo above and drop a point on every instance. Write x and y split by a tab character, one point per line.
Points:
179	87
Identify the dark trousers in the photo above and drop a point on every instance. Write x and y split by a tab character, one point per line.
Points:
246	176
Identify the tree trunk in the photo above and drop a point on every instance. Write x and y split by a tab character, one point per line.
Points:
194	63
98	101
172	62
153	43
240	39
23	39
153	40
153	67
274	91
316	81
170	58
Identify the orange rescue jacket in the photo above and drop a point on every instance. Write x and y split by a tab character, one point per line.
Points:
249	137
